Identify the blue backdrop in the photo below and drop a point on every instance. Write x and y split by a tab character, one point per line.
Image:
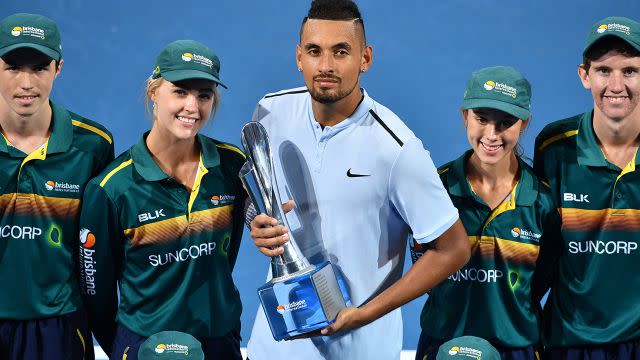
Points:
424	52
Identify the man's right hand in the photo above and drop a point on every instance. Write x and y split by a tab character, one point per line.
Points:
267	235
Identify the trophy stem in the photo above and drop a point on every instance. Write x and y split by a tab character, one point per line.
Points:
288	271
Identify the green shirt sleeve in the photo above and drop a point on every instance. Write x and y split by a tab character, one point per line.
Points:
550	250
238	225
104	157
538	159
101	249
551	241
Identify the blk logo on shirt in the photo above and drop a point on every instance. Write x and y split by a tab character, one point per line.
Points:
151	215
576	197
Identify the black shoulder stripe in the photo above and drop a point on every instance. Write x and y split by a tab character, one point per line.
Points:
286	93
375	116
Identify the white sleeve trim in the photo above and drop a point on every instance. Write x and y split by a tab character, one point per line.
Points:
426	238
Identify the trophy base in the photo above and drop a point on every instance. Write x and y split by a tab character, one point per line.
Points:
304	303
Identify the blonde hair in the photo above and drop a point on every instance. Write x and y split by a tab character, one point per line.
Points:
154	84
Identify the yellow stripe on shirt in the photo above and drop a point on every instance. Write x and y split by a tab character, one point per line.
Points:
114	171
558	137
92	129
232	148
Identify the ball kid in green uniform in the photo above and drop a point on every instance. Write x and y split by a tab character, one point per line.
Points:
162	224
47	156
506	212
590	161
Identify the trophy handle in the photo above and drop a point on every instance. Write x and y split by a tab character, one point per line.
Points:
258	177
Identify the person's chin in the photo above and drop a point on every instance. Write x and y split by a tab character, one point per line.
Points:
185	134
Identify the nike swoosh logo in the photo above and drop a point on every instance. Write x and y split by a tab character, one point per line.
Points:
350	174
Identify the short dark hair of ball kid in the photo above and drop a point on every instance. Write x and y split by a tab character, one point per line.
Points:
603	46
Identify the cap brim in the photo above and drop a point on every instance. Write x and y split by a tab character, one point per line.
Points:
611	34
178	75
43	49
520	113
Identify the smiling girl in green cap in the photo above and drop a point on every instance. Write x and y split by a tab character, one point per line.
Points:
162	224
506	212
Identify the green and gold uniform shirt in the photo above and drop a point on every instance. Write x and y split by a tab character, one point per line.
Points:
491	296
170	251
39	204
595	294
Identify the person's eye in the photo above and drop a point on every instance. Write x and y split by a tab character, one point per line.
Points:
508	123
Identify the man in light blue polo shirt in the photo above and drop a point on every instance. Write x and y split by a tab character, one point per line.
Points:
361	182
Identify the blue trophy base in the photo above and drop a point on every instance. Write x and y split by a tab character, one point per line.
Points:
303	303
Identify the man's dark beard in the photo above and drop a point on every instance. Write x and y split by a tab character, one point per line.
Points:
330	98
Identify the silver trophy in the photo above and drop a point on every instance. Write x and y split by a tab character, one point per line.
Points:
301	297
259	178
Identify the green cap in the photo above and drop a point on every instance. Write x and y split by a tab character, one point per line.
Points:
170	345
30	31
499	87
466	347
621	27
187	59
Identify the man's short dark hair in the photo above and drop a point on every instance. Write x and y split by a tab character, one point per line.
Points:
606	44
335	10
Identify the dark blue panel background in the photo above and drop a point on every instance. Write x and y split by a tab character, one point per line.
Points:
423	53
